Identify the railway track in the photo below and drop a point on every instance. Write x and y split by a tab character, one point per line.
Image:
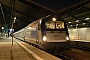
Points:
64	57
82	48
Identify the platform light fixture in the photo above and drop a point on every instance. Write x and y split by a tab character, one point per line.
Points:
77	20
76	24
69	22
83	23
2	27
14	18
76	27
87	18
71	25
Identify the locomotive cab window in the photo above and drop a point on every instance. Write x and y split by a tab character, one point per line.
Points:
54	25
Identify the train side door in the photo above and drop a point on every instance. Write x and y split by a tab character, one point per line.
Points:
38	33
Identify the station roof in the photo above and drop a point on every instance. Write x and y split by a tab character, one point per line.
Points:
75	12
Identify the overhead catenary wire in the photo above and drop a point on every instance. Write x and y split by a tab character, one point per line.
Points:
2	12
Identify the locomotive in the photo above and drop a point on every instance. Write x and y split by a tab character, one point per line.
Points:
49	34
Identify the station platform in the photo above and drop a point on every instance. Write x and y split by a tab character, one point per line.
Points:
22	51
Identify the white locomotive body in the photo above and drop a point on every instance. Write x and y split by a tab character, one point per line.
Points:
51	36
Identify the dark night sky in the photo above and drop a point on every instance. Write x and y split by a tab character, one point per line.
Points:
56	4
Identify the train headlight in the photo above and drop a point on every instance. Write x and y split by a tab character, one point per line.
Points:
44	38
67	38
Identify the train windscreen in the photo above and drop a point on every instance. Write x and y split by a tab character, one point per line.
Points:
54	25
